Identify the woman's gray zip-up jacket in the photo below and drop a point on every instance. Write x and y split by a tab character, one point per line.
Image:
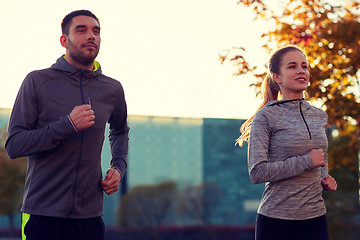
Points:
281	136
64	166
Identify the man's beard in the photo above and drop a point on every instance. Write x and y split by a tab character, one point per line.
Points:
80	57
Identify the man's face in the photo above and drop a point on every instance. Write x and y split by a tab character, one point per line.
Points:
83	42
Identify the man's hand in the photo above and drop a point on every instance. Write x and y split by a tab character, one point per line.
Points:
111	182
329	183
82	117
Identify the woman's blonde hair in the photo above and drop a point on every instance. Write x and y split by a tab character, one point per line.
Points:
270	90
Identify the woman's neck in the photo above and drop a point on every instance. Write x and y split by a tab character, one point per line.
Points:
292	95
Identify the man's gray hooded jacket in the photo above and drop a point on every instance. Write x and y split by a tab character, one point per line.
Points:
64	166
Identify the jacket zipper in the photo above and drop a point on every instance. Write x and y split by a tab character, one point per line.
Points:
81	149
302	116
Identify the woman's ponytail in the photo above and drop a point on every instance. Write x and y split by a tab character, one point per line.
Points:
270	90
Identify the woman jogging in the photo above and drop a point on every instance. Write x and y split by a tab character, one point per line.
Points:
288	151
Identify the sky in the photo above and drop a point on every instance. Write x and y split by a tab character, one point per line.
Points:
164	52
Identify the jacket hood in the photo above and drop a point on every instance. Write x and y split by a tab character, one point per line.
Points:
293	103
73	71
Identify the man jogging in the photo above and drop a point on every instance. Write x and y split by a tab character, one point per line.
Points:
58	122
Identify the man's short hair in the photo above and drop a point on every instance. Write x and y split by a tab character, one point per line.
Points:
66	22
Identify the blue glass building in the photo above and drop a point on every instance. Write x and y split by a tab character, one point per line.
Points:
190	152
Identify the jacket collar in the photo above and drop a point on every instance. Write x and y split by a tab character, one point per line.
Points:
293	103
62	65
79	76
277	102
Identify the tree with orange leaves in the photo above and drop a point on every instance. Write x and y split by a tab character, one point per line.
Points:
330	35
329	31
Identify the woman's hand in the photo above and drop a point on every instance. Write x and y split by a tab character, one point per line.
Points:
317	157
329	183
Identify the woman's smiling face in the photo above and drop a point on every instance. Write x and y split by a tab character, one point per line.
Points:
294	75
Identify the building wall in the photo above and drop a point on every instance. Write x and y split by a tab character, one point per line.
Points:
4	117
163	149
187	151
226	165
160	149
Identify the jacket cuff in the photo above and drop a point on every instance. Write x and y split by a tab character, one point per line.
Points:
120	165
310	163
72	123
63	129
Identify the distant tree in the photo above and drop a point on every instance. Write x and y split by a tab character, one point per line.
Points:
191	204
148	205
198	203
12	179
330	33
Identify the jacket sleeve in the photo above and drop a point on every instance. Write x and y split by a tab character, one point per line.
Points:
325	169
119	133
24	138
260	168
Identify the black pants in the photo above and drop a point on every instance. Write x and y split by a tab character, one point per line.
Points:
52	228
278	229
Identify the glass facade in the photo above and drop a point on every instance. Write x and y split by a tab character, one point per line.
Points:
163	149
226	166
190	152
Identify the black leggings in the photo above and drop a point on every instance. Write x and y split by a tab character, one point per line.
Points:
278	229
53	228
